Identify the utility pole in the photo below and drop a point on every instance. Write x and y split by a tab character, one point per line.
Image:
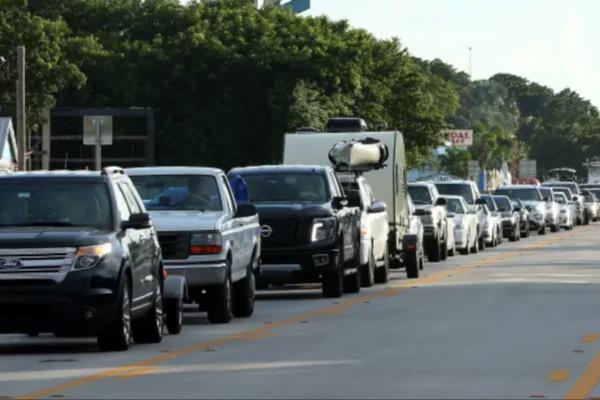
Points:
471	62
21	117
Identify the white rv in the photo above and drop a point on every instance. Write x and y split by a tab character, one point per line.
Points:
387	183
8	146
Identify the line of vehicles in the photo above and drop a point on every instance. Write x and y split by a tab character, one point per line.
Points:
116	253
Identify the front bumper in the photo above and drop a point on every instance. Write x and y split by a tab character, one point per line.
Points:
83	304
199	274
460	238
297	265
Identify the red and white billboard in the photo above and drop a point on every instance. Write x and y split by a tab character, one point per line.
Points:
459	137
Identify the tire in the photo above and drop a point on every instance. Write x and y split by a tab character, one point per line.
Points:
352	282
481	243
444	251
174	317
382	274
554	228
333	281
412	265
452	251
542	231
149	328
514	235
464	252
586	219
220	299
367	273
244	293
118	335
475	248
436	251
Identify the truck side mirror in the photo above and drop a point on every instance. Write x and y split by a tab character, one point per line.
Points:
137	221
339	202
377	207
245	210
575	198
441	201
480	202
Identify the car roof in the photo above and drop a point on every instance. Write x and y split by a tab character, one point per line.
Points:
58	175
425	184
516	187
453	197
454	182
172	171
290	169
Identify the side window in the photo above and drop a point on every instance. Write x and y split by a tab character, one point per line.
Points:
228	196
333	183
122	207
130	198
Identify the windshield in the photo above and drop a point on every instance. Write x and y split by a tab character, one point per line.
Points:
503	204
453	189
489	202
179	192
566	191
523	194
287	187
454	206
546	193
571	185
51	204
420	194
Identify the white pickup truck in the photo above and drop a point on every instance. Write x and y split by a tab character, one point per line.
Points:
204	236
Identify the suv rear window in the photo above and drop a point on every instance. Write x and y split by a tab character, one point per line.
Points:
178	192
287	187
51	204
457	189
420	194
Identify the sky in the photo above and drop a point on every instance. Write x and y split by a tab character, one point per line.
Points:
553	42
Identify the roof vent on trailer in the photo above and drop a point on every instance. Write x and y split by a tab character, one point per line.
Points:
346	125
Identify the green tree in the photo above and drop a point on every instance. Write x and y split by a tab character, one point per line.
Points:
455	162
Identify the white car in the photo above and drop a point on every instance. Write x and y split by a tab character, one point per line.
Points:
491	227
465	224
567	211
204	236
416	228
374	227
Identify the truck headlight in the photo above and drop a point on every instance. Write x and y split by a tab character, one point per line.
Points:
203	243
322	229
89	256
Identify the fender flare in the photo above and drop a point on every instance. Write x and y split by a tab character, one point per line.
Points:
175	287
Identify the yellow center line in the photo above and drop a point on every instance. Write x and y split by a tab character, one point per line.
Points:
148	365
586	382
558	375
590	338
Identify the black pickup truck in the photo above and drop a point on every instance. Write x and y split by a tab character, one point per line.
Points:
309	233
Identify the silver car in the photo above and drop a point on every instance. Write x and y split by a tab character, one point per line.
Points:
465	224
567	211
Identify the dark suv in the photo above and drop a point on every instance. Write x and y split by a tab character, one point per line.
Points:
309	231
79	257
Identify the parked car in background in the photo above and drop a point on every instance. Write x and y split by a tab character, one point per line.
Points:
374	229
523	217
495	218
592	206
205	236
511	218
532	199
470	193
567	211
552	208
432	210
416	229
465	224
309	231
574	188
79	257
492	227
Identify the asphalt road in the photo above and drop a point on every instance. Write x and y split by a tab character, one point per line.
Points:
519	321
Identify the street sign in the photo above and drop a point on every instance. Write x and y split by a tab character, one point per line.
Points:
527	169
474	169
459	137
94	124
97	132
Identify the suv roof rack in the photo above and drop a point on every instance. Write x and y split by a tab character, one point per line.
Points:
113	170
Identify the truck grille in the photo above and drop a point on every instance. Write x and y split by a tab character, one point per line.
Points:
284	232
175	246
36	264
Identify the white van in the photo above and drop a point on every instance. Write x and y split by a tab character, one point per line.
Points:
388	183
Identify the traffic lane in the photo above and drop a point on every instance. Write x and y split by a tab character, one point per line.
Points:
126	380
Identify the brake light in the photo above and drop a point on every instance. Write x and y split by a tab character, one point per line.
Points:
197	250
